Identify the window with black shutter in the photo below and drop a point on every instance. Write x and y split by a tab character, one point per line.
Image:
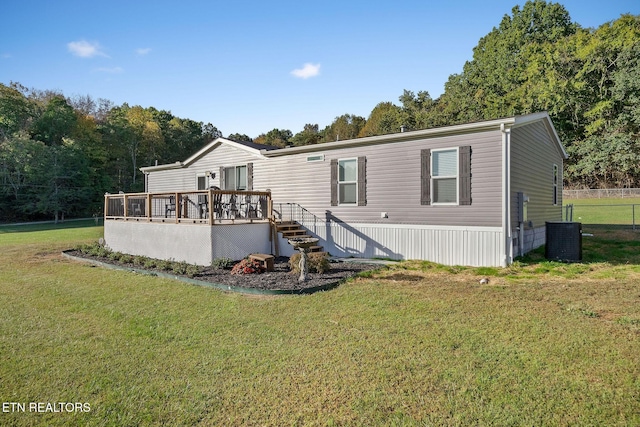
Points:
445	176
349	181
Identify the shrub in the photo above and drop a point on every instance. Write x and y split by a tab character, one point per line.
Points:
317	262
248	266
183	268
114	256
139	260
192	270
126	259
164	265
94	249
149	263
179	267
222	263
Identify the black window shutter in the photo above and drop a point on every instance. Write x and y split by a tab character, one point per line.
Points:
362	181
425	177
464	172
249	176
334	182
222	183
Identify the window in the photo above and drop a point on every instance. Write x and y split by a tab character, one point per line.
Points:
444	177
234	178
201	183
347	181
317	158
555	185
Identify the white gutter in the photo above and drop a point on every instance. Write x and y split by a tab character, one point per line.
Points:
506	195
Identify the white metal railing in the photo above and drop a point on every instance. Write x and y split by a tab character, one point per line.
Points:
295	212
202	206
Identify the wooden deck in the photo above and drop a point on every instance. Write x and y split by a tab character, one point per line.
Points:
208	207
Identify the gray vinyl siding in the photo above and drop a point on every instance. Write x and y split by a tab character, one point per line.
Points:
392	184
171	180
533	154
184	179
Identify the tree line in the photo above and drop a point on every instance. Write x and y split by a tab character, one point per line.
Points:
59	155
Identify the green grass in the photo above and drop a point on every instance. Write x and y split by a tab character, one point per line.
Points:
605	211
414	344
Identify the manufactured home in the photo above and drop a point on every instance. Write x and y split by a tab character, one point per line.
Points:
476	194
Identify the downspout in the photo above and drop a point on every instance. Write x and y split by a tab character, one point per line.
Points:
507	257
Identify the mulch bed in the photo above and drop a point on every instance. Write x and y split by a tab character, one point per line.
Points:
281	279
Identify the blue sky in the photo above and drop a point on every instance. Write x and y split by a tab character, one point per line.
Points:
251	66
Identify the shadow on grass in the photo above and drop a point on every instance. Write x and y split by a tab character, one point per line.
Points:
49	225
601	243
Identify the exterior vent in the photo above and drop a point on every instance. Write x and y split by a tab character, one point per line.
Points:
563	241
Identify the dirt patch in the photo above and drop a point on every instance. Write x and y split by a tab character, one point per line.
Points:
281	279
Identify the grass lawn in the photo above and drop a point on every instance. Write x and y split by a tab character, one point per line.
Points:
605	210
416	344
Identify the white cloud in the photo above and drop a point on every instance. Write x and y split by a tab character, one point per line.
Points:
143	50
84	49
307	70
114	70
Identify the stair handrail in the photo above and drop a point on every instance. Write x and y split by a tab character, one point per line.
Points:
296	212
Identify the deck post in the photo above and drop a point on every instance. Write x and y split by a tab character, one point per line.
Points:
147	208
210	207
273	225
178	203
185	206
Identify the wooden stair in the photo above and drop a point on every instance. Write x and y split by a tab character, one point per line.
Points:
290	229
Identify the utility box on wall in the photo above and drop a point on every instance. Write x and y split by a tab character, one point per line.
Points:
563	241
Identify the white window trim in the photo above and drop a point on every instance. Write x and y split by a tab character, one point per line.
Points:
355	159
235	175
206	180
457	177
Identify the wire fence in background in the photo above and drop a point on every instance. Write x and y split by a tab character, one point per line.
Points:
601	193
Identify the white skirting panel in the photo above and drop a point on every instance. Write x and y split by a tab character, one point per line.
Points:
195	244
472	246
199	244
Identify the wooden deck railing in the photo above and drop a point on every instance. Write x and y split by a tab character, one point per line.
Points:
198	207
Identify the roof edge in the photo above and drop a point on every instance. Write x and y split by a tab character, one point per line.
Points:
176	165
201	152
219	141
395	137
